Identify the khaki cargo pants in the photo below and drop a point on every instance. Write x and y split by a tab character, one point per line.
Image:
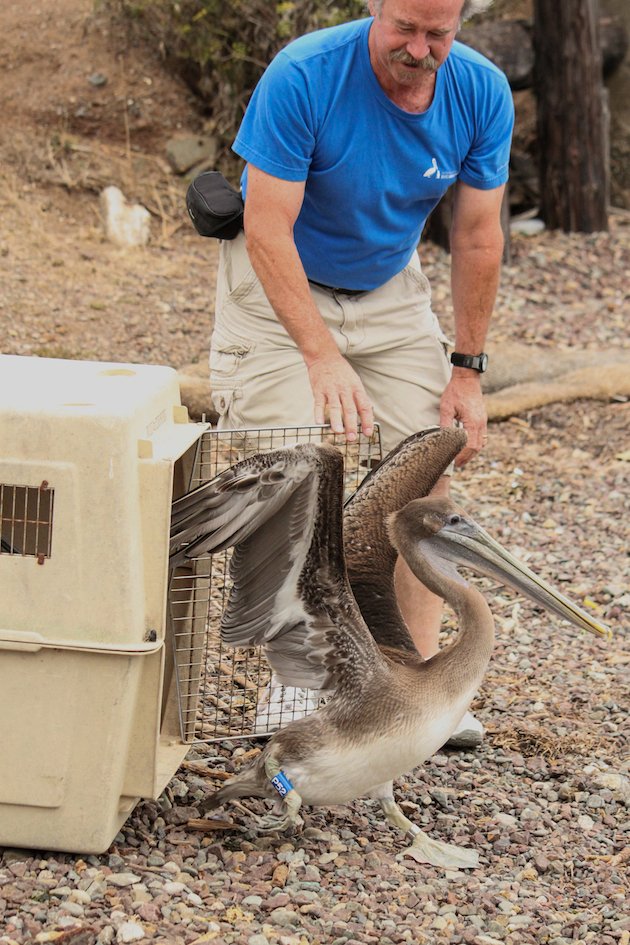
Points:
389	335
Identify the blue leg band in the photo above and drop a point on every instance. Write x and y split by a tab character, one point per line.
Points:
282	784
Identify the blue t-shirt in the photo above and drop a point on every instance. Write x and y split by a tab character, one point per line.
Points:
373	171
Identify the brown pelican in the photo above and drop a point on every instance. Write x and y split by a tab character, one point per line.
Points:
390	710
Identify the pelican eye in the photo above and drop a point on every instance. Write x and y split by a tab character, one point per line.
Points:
454	519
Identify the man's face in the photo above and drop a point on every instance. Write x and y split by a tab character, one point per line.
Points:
411	38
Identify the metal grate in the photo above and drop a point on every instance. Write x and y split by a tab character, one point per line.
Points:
223	692
26	514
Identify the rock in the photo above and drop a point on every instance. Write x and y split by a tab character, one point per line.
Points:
178	787
280	875
149	911
286	918
173	888
123	879
530	813
130	932
531	227
541	863
191	151
252	902
155	859
595	801
73	908
440	797
615	782
124	224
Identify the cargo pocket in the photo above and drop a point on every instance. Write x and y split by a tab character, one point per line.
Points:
226	356
226	359
236	273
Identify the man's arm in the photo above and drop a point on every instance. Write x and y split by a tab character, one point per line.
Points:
271	209
476	251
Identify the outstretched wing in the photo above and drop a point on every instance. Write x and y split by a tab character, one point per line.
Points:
226	510
408	472
283	513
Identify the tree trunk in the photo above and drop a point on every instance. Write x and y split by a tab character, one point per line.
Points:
572	115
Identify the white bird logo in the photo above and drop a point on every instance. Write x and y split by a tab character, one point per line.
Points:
433	171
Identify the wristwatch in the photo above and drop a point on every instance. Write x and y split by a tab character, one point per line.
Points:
477	362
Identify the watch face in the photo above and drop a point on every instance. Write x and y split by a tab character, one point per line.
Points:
483	362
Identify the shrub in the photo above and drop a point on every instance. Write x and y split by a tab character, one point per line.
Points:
221	47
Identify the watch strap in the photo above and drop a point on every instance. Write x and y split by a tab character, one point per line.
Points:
476	362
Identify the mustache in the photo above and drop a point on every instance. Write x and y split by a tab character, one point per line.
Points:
428	63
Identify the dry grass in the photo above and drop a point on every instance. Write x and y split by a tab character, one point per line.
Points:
539	741
82	165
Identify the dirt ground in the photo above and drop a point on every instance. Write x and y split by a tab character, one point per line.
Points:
65	291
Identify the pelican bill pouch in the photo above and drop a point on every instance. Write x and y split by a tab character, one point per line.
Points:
214	206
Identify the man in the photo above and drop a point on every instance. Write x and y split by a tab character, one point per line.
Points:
323	313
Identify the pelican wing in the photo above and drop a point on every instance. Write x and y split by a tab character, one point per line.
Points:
226	510
283	513
408	472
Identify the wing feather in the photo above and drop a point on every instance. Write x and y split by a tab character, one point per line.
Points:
283	513
408	472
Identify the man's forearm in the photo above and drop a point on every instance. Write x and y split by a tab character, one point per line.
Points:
277	264
475	267
474	283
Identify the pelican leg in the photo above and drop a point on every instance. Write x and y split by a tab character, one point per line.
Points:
423	848
289	804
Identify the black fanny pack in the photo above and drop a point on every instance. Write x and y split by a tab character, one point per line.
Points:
214	206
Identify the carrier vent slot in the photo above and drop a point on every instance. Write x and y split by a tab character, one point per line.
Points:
26	514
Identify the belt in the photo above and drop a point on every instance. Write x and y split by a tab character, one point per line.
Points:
336	288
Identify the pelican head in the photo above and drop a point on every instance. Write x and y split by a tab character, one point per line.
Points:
446	537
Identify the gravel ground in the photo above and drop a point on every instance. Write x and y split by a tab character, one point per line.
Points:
545	799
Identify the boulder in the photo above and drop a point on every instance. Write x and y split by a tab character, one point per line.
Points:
189	152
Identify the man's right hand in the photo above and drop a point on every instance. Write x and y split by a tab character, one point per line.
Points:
339	397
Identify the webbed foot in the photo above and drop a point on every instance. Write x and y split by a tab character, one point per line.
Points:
286	813
289	817
423	848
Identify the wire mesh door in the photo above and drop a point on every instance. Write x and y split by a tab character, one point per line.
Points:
227	692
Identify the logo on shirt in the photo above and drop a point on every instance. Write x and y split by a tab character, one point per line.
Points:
435	172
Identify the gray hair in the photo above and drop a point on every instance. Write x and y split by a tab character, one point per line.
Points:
473	8
469	9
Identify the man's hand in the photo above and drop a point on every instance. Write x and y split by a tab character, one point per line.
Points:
462	400
339	395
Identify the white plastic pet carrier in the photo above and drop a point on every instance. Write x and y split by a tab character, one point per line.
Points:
110	668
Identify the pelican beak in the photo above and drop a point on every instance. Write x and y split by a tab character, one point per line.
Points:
466	543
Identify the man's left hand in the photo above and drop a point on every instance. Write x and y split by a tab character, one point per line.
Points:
462	400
